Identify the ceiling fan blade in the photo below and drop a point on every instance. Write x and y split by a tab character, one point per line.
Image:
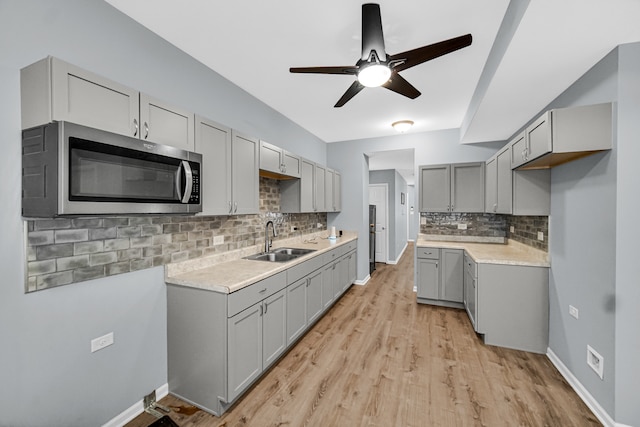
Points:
372	36
347	69
399	85
350	93
417	56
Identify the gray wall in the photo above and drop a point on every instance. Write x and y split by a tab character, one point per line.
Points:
49	376
397	212
347	156
413	222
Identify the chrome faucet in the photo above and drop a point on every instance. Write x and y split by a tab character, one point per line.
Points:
267	240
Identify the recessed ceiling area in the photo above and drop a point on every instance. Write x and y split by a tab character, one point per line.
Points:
254	43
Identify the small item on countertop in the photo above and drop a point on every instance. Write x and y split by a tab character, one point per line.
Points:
332	236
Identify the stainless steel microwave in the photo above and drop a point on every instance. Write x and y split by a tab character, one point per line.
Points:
68	169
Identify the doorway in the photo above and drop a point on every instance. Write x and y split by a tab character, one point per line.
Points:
379	197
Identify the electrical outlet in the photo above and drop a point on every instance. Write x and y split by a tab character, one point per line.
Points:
319	225
294	228
218	240
462	226
512	229
101	342
423	220
595	361
573	311
540	236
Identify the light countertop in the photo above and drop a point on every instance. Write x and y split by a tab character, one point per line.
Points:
511	253
228	272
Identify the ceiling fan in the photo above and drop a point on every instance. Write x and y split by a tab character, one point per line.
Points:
376	68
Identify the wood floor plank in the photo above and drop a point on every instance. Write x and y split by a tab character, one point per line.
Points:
378	358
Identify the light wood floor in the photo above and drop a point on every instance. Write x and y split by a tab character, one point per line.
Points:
379	359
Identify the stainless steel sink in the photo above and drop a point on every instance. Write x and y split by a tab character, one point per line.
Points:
280	255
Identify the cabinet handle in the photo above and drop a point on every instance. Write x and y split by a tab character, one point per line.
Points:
266	307
230	207
135	126
235	207
262	291
261	310
436	265
495	207
146	130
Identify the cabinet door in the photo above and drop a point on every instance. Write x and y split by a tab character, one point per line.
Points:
351	269
291	164
244	174
314	296
320	172
518	150
337	192
538	136
491	185
337	282
88	99
428	278
213	141
435	188
328	292
270	157
296	309
452	280
244	349
328	190
467	189
504	182
274	327
165	124
307	186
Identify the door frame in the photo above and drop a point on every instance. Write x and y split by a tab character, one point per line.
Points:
386	218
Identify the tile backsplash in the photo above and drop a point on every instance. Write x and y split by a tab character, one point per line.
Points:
526	228
68	250
478	224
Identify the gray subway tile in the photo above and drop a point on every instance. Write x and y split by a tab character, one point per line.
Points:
129	254
161	239
133	231
87	223
171	247
54	251
70	236
151	230
161	260
141	242
139	220
102	233
179	237
54	279
52	224
103	258
141	264
36	268
117	268
179	256
116	244
116	222
36	238
170	228
88	247
151	251
88	273
72	262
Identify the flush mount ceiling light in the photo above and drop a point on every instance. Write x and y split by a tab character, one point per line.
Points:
402	125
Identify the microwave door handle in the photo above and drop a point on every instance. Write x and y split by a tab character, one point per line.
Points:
188	185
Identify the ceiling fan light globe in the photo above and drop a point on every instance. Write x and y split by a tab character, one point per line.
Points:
374	75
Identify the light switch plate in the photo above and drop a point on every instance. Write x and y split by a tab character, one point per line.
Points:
462	226
540	236
218	240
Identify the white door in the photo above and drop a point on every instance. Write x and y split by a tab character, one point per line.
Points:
378	195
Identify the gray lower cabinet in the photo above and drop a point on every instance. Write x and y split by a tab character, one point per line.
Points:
439	274
219	344
470	288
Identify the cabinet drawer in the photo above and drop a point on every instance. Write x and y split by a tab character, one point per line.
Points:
245	297
429	253
304	268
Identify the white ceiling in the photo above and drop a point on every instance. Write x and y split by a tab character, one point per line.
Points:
253	44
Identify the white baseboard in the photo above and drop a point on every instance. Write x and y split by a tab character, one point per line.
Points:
363	281
135	409
582	392
394	262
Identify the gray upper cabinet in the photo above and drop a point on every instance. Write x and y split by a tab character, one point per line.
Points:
457	187
306	194
213	141
277	161
516	192
245	181
52	89
562	135
319	178
164	124
332	191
